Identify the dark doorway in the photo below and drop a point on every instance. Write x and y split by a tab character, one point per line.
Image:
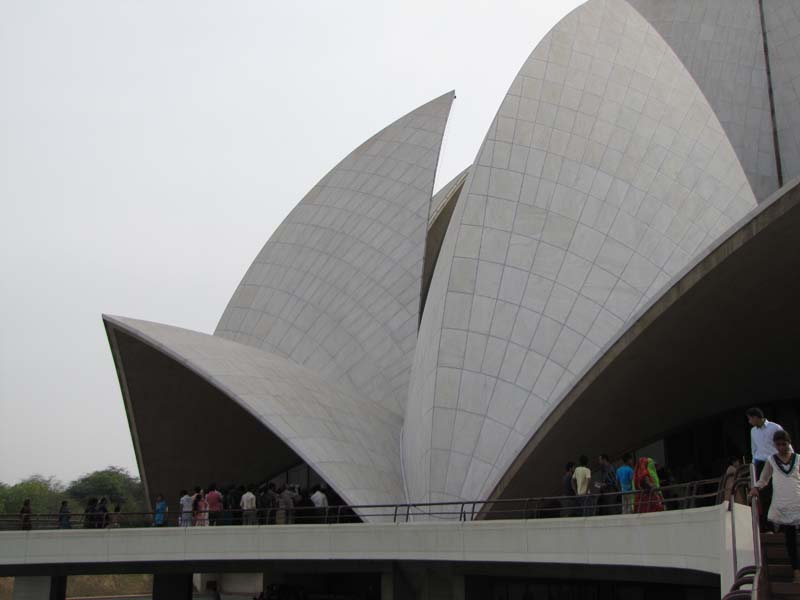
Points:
498	588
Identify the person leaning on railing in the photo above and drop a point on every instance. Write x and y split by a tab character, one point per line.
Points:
625	481
160	512
25	522
64	516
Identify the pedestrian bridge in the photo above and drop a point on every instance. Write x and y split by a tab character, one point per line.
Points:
681	543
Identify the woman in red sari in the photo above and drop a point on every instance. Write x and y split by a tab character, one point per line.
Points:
648	498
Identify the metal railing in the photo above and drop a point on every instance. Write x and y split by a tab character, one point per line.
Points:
695	494
748	581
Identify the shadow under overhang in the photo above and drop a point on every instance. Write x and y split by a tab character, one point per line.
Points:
186	432
724	335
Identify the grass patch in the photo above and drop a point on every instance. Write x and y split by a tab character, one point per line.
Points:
93	585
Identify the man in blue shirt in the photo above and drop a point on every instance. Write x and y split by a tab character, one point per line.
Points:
160	514
625	480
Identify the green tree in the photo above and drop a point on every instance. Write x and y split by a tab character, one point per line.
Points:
45	494
114	483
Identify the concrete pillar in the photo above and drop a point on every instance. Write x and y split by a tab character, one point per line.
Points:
172	586
459	587
204	582
273	576
387	586
40	588
241	583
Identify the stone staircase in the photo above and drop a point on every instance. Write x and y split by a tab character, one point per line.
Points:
779	572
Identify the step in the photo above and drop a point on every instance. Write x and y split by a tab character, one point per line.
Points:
780	589
772	539
776	553
780	572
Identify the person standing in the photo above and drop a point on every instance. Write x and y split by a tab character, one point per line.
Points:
160	514
101	514
320	502
248	506
784	471
25	516
762	447
200	509
88	513
273	499
286	501
64	516
236	504
581	484
186	509
214	500
607	486
568	492
646	484
729	479
625	482
115	518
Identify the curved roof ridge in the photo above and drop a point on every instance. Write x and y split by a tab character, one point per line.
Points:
336	287
604	172
343	436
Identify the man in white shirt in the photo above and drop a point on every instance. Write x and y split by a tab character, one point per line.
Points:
762	447
186	509
581	480
320	502
319	498
248	506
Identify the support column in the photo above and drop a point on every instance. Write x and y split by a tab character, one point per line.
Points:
387	585
242	583
172	586
40	588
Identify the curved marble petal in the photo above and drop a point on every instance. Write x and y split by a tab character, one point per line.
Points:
350	441
603	174
337	286
720	43
783	35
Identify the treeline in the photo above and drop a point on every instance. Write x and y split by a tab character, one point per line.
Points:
46	493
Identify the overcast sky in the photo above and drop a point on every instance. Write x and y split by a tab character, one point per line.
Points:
150	148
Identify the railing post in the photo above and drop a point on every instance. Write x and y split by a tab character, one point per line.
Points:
755	506
733	537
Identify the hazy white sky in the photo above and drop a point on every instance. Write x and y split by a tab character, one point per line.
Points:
148	149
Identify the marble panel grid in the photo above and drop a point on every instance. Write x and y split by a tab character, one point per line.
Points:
720	44
336	288
352	442
604	172
782	19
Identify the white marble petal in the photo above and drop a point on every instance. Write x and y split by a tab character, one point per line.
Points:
603	174
720	43
337	286
351	441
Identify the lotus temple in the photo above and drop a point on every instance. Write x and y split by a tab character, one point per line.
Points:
616	271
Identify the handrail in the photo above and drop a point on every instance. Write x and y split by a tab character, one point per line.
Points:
751	575
734	552
757	551
674	496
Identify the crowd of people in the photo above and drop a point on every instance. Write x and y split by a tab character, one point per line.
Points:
96	515
636	486
631	487
246	505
